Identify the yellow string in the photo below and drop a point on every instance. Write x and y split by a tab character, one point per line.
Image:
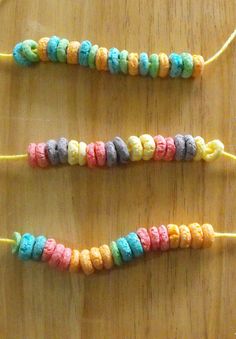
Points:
13	157
222	50
228	155
7	241
225	235
210	60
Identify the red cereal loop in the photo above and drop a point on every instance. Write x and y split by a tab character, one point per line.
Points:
164	238
160	150
65	259
41	157
31	155
48	249
91	156
57	255
170	149
155	238
100	152
144	239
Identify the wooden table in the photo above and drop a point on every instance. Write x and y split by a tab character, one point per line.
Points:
180	294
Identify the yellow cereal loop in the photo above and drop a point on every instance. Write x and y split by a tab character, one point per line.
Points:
198	65
135	148
82	147
174	235
96	258
72	52
149	146
73	152
85	262
208	235
42	49
164	65
74	261
200	148
133	63
101	59
197	235
106	256
185	236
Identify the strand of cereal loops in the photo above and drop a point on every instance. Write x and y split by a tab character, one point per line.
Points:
120	251
86	54
115	152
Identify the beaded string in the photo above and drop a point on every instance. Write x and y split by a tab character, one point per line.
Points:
115	152
61	50
118	252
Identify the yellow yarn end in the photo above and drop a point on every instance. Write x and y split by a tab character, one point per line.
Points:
225	235
13	157
222	50
228	155
7	241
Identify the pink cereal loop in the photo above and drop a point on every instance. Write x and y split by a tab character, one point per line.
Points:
164	238
100	152
48	249
160	150
170	149
31	155
57	255
91	157
144	239
40	153
65	259
155	238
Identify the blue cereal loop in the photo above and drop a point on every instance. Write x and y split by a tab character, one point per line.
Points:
113	60
143	64
135	244
124	249
39	245
176	63
84	52
52	48
19	57
26	246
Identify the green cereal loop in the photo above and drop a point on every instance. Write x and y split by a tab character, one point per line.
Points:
92	56
154	65
17	238
116	254
124	61
187	65
29	49
61	50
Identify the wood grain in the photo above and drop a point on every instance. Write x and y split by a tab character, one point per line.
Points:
182	294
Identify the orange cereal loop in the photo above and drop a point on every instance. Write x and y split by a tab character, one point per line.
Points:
208	235
74	261
101	59
86	263
42	49
106	256
96	258
174	237
72	52
197	235
198	65
185	236
164	65
133	63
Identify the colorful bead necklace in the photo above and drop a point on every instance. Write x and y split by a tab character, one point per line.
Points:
55	49
122	250
117	151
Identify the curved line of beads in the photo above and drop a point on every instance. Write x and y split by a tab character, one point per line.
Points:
117	151
120	251
85	54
